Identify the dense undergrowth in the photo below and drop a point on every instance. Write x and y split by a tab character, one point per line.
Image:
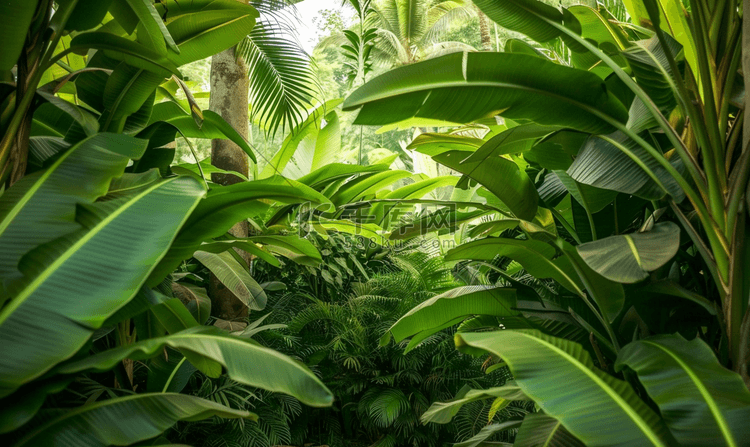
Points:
498	222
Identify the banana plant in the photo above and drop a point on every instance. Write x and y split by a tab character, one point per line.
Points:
637	126
94	223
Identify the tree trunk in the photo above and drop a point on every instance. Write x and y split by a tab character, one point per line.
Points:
229	93
484	30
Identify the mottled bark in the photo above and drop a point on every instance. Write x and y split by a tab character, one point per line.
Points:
484	30
229	93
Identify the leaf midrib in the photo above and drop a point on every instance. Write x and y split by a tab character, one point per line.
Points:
712	405
49	271
621	403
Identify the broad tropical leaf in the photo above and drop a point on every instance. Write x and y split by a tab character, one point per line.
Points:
366	185
538	258
628	258
245	361
125	420
452	307
597	408
17	17
304	134
213	126
235	277
502	177
470	86
202	28
224	207
443	412
479	440
702	402
541	430
61	299
41	206
332	172
530	17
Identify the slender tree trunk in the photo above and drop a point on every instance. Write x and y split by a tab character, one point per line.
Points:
484	30
229	93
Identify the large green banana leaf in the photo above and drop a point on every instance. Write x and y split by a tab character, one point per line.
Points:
293	247
702	402
443	412
224	207
202	28
537	257
452	306
41	206
71	285
502	177
125	50
245	361
320	178
561	378
529	17
673	19
480	439
213	125
628	258
541	430
304	134
385	212
365	185
125	420
516	139
235	277
608	295
152	31
602	162
16	18
250	247
471	86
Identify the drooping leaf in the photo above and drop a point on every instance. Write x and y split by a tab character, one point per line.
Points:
213	126
125	420
538	258
235	277
61	288
479	440
541	430
443	412
224	207
17	18
332	172
702	402
41	206
594	406
202	28
471	86
502	177
455	304
628	258
366	185
245	362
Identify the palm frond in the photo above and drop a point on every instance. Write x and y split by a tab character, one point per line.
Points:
282	83
444	14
